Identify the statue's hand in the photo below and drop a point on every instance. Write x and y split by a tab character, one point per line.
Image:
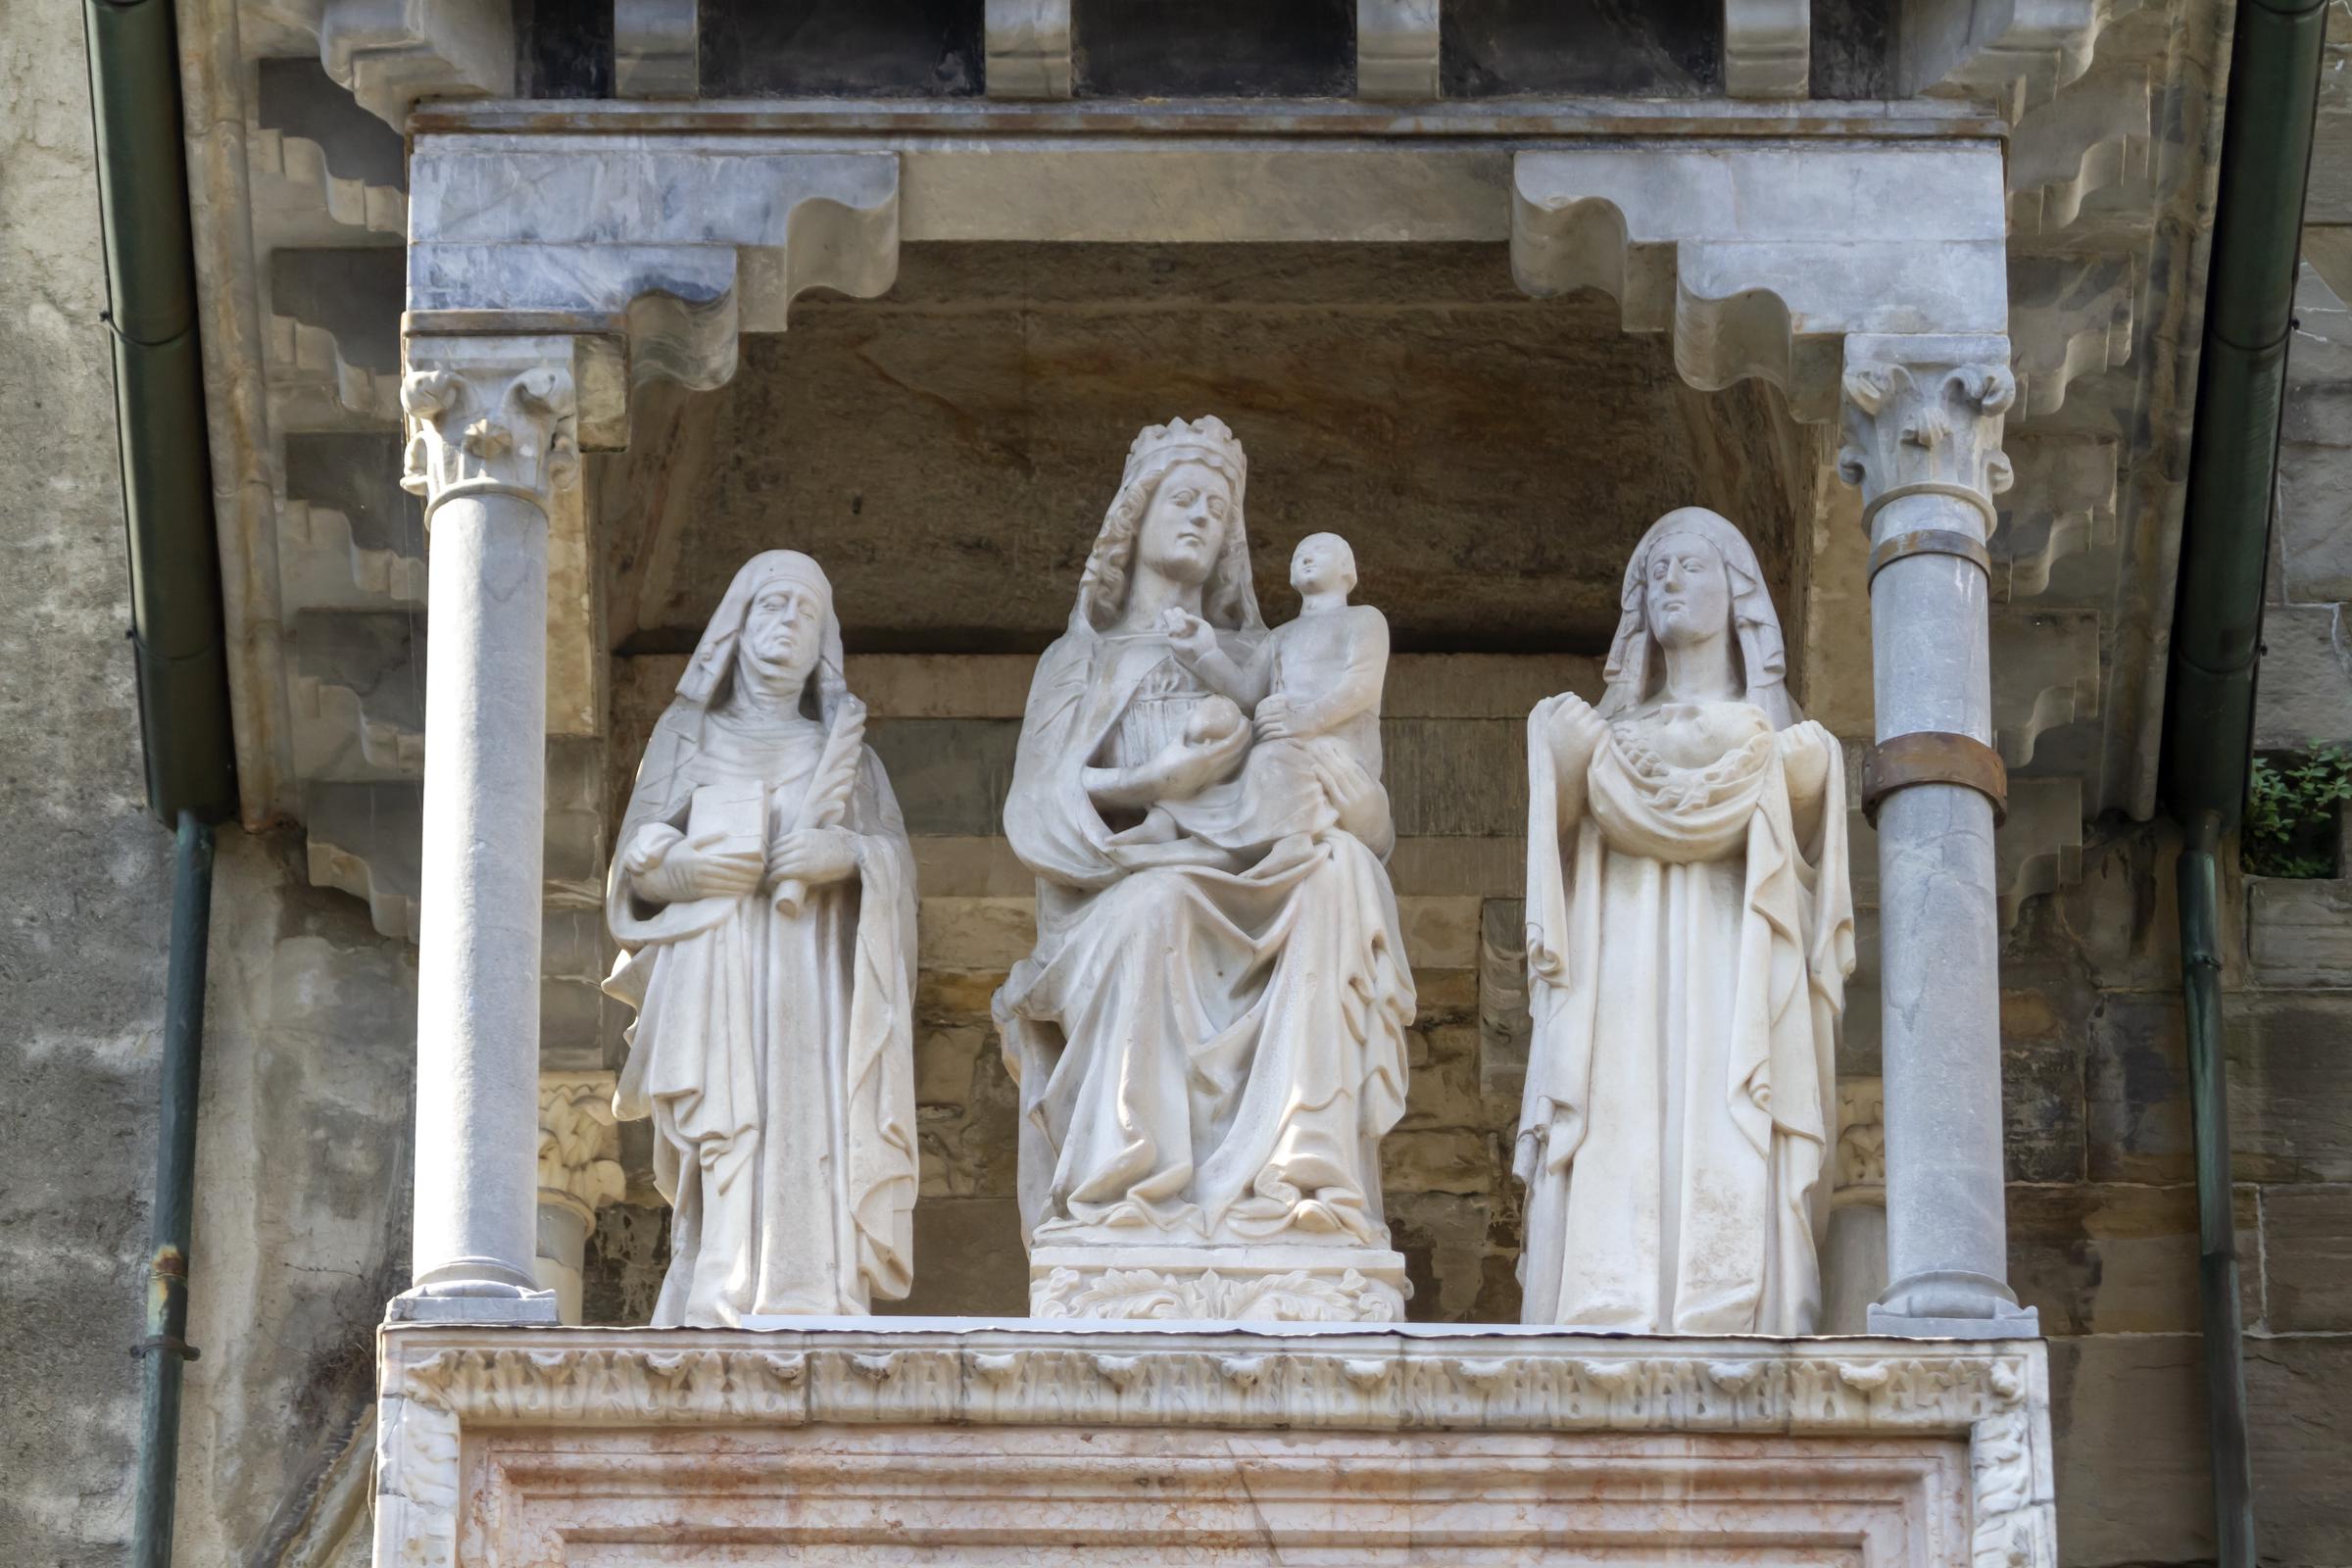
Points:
1274	720
816	856
1187	767
1571	729
1355	794
697	869
1194	637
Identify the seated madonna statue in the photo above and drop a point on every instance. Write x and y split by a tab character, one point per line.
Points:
1209	1044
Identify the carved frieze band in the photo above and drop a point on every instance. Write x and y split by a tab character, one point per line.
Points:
1133	1381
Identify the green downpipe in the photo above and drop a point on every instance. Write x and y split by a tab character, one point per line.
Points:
177	636
177	628
2217	629
165	1347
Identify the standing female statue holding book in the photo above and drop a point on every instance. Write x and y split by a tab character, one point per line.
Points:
764	896
1690	929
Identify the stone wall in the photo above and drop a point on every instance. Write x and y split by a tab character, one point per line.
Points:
82	947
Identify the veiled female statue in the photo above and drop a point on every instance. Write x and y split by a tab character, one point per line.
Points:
764	896
1209	1044
1690	929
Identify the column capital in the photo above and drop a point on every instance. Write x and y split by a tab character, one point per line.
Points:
489	425
579	1142
1923	418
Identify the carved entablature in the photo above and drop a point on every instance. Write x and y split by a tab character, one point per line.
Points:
1403	1393
1765	258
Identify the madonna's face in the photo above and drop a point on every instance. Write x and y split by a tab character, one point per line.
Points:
783	630
1687	595
1185	525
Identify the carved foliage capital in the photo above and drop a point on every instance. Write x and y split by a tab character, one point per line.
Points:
1861	1134
483	431
1926	415
579	1145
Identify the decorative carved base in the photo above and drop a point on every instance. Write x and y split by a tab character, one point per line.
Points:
1067	1446
1270	1283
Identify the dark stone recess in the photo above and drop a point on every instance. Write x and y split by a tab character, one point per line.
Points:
354	294
563	48
841	48
949	451
299	99
358	475
1854	48
1634	48
1213	48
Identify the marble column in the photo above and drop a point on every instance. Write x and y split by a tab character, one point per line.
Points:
1923	433
492	434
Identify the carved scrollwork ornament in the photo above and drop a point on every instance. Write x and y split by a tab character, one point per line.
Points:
472	433
1926	428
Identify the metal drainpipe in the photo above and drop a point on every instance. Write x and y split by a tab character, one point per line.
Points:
166	1346
2217	623
176	633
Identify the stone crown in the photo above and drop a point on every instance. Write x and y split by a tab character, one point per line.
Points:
1206	437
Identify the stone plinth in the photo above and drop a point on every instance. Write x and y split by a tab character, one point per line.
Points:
937	1441
1271	1284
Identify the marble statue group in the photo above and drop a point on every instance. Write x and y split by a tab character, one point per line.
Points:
1209	1036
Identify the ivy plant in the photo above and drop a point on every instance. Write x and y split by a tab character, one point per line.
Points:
2293	808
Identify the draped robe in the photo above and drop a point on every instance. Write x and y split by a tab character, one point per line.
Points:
1686	958
773	1052
1202	1052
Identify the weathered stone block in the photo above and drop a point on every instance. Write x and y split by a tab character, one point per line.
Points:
2136	1092
2116	1259
2127	1419
2305	694
2041	1087
2306	1260
2299	933
2315	515
2290	1078
1444	1160
968	1261
2299	1395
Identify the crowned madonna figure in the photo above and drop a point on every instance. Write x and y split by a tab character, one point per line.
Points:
764	899
1690	930
1210	1036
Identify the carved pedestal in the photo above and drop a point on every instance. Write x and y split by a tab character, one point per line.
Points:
1271	1284
1045	1446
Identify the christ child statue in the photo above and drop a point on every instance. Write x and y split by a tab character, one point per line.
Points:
1311	692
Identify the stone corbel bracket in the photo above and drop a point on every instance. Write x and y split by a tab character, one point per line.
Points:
1761	259
2020	52
673	249
391	53
1767	48
2089	137
438	1384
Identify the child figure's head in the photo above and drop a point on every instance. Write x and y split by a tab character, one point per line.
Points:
1322	563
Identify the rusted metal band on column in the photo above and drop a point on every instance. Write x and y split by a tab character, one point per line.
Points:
1929	542
1933	756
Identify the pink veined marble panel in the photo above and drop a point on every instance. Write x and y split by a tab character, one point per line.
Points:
881	1497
